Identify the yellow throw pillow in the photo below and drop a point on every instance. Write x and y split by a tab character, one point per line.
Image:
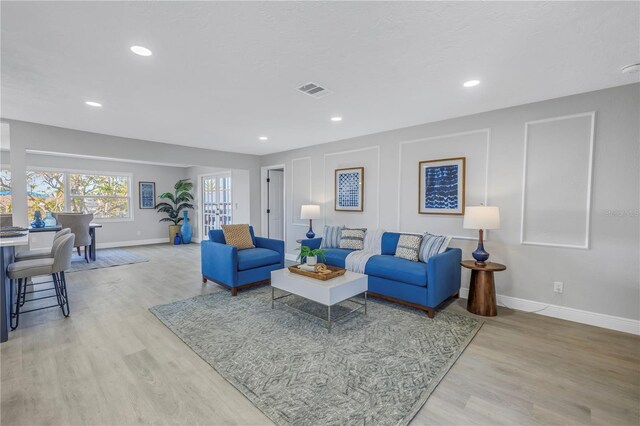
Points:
238	235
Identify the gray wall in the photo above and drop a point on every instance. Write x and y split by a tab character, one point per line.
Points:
603	278
145	225
31	136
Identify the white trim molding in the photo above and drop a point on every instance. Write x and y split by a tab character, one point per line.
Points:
596	319
293	195
446	136
584	246
132	243
351	151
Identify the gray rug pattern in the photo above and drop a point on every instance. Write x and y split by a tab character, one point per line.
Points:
105	258
374	369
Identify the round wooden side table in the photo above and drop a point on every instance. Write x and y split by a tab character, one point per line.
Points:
482	288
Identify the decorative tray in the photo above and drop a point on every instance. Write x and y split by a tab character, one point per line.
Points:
12	234
12	229
334	272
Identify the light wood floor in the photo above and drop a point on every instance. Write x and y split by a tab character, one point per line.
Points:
113	362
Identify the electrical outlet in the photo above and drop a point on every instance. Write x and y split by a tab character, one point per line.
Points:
558	287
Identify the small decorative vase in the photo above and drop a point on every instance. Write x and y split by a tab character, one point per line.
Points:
37	220
177	240
50	221
312	260
186	231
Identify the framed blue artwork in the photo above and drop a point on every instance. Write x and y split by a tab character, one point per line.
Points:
441	189
349	190
147	192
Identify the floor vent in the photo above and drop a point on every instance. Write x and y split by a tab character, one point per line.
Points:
315	90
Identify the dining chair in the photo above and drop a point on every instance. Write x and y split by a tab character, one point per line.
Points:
79	225
6	219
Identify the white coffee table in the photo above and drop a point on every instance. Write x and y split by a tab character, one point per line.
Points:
327	293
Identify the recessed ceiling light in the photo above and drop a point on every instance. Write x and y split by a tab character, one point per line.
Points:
336	118
263	138
142	51
93	104
471	83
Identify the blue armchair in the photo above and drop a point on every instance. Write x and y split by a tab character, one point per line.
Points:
236	269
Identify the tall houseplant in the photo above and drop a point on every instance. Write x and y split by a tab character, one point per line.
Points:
180	199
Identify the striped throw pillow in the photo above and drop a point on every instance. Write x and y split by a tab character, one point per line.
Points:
432	245
352	239
238	235
409	247
331	236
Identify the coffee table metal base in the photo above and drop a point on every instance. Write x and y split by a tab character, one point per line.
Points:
329	320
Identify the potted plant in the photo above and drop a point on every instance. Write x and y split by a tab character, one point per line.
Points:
311	255
179	200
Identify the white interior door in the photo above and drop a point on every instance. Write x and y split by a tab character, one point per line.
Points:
217	209
275	209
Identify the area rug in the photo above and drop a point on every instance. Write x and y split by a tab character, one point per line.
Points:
105	258
378	368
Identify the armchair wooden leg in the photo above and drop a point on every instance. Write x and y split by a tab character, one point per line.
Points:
204	280
234	291
430	312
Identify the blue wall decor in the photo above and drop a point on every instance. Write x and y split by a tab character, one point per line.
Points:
147	191
349	189
442	186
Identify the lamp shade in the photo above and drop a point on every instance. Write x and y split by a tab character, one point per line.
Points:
481	217
310	211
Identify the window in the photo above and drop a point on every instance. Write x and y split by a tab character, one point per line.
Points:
106	196
5	191
45	191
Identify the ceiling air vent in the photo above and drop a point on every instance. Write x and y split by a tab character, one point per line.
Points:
314	90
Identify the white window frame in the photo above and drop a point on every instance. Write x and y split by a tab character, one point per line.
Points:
67	190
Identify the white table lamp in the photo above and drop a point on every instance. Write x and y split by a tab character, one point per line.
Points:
310	211
481	218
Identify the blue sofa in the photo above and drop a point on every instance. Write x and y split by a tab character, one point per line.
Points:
237	269
420	285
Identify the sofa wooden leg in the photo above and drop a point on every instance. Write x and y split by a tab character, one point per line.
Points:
234	291
430	312
204	280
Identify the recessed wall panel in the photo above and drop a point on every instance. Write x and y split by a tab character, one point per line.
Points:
369	158
474	146
301	188
557	181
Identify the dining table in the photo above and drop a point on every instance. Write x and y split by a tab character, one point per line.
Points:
92	233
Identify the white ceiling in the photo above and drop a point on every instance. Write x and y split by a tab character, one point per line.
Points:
223	74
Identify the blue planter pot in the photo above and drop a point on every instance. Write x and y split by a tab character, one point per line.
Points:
186	231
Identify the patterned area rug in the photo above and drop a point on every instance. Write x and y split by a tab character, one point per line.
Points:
378	368
105	258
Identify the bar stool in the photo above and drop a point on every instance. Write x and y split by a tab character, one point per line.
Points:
42	253
54	266
39	254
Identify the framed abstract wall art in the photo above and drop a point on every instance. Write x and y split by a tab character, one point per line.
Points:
349	189
147	192
441	189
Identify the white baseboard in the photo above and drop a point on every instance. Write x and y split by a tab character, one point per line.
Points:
570	314
291	257
132	243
